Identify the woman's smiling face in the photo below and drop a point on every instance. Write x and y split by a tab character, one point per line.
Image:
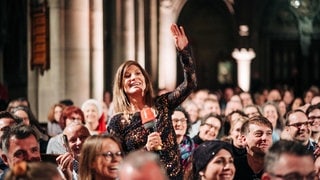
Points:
134	81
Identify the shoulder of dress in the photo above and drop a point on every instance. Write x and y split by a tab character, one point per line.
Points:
116	116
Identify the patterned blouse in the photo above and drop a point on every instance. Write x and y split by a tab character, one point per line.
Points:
129	128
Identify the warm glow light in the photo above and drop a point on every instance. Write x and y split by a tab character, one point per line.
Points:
243	58
244	30
295	3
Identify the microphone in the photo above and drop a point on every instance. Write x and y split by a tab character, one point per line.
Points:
149	122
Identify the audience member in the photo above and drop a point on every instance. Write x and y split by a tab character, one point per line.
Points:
199	97
142	165
193	111
246	99
212	160
19	143
298	128
234	115
297	103
308	95
230	118
29	119
235	138
69	114
21	101
100	158
232	106
259	98
209	128
288	97
288	160
210	106
6	121
228	92
93	116
257	137
313	113
271	112
54	114
181	124
252	110
76	134
133	92
274	95
282	109
34	171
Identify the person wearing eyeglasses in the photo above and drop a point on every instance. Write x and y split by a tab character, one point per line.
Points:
288	160
209	129
313	113
69	115
100	158
298	128
181	123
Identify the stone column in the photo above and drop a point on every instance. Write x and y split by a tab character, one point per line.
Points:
129	30
167	52
96	43
77	50
140	33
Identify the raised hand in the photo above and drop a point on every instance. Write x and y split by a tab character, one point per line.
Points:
179	37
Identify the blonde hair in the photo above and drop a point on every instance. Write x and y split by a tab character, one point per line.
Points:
120	100
91	147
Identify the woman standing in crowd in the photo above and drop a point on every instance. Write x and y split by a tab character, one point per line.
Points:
100	158
133	91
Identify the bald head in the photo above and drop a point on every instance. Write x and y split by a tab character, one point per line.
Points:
140	165
76	134
315	100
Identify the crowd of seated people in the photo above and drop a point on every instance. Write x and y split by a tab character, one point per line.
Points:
180	134
223	146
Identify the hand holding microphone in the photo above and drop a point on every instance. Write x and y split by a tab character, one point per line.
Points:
149	122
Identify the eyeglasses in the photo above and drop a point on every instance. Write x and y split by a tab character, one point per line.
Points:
297	176
110	155
211	125
299	124
75	118
313	118
182	120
